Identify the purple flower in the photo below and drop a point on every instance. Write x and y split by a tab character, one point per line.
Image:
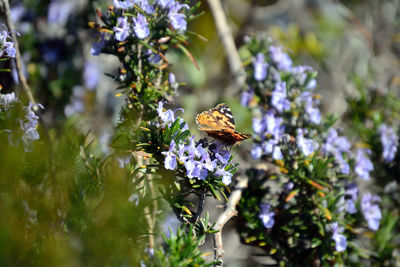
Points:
274	125
149	9
192	168
287	187
124	4
301	73
141	29
207	163
172	81
351	196
371	210
260	67
153	57
6	46
122	30
29	126
7	99
267	216
226	176
167	116
280	58
165	3
170	157
91	75
313	112
363	163
269	127
338	237
306	145
271	147
389	142
259	126
279	100
178	20
247	96
96	47
256	152
223	156
277	153
336	146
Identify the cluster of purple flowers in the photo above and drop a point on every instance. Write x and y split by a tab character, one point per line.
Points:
338	237
6	46
6	100
270	129
200	159
292	102
123	29
389	141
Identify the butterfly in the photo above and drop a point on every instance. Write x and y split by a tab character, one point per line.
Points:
218	123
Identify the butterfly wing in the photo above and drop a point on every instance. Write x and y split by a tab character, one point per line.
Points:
228	137
217	118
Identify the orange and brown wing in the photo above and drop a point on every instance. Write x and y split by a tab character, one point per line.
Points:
217	118
228	137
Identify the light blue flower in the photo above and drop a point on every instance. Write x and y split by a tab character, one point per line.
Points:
337	145
148	8
247	96
6	47
97	46
124	4
279	100
267	216
338	237
122	29
141	29
178	20
306	145
281	59
363	163
389	142
256	152
260	67
170	157
371	210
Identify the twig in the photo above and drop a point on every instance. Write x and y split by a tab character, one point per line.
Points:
202	199
10	24
150	215
225	34
229	212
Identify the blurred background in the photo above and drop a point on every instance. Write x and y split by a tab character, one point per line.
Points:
347	42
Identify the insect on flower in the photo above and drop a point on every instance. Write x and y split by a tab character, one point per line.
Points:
218	123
